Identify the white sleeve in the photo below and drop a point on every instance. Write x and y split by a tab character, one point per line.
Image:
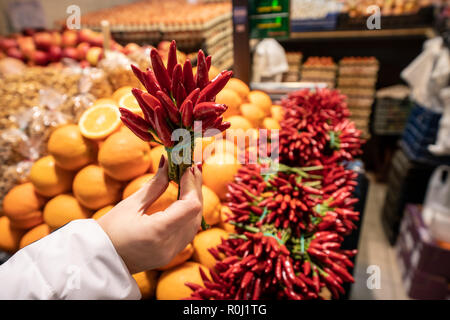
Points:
77	261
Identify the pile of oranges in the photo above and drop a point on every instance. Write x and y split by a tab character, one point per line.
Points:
94	164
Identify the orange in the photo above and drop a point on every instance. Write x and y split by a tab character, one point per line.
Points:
252	113
99	121
239	132
124	156
180	258
231	99
155	155
261	100
239	122
128	101
94	189
105	101
277	112
213	72
22	205
146	282
224	146
165	200
224	216
119	93
48	179
136	184
62	209
239	87
271	124
34	234
9	236
70	149
211	206
171	283
203	241
218	171
101	212
201	144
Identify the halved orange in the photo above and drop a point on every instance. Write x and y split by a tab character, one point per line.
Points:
119	93
99	121
105	101
128	101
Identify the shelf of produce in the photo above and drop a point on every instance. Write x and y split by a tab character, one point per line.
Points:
427	32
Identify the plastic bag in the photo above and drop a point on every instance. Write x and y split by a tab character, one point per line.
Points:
269	61
436	211
442	145
117	67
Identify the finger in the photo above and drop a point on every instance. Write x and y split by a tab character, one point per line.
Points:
191	183
154	188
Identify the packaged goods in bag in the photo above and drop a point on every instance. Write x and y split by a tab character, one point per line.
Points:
436	212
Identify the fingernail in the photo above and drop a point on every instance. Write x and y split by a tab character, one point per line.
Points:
162	161
200	167
192	170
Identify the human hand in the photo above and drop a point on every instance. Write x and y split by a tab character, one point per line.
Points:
147	242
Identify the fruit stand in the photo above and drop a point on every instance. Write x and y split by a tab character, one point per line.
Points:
98	135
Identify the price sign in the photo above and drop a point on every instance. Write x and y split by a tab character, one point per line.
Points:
26	14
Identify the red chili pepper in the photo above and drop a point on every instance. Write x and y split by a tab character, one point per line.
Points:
177	75
160	71
169	106
135	119
257	289
150	83
163	131
193	96
188	78
146	136
147	109
202	70
180	95
208	62
207	109
248	276
187	113
215	86
172	57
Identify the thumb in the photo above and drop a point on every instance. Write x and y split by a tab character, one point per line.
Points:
153	189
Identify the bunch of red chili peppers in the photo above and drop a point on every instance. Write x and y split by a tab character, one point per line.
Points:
290	224
174	100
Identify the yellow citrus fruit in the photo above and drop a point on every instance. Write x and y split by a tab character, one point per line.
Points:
62	209
128	101
171	283
180	258
34	234
239	87
70	149
136	184
48	179
9	236
261	100
101	212
203	241
146	282
99	121
218	171
252	113
119	93
277	112
155	155
94	189
124	156
231	99
271	124
225	212
22	206
105	101
211	206
165	200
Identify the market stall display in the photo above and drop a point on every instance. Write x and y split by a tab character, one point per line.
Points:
193	26
319	69
357	79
